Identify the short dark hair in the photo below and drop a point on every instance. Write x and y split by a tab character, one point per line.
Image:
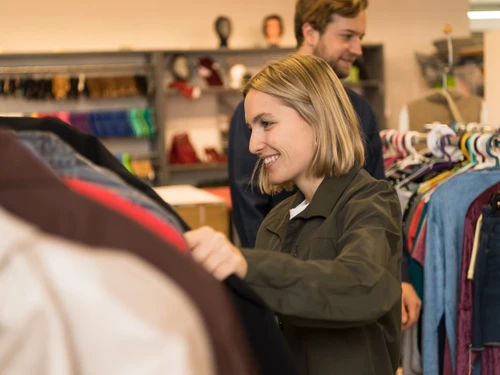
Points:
319	13
272	17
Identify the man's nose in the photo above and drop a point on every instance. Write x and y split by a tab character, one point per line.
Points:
355	48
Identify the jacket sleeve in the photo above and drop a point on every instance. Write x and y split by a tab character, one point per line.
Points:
358	287
249	205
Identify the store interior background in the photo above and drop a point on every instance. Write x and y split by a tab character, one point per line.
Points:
403	26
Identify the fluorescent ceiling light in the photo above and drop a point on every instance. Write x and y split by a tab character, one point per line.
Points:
484	15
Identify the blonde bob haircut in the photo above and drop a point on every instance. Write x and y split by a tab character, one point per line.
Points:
309	85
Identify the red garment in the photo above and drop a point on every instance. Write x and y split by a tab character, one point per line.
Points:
419	251
126	208
490	355
412	232
490	361
391	160
447	366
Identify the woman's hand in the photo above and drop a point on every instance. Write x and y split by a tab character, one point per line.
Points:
216	253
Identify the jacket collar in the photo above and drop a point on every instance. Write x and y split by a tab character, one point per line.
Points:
324	200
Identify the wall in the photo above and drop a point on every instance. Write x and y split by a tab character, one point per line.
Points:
406	26
402	25
492	86
103	24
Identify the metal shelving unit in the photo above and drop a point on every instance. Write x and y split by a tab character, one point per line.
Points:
154	64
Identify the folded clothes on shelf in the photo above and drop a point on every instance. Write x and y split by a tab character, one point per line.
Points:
133	123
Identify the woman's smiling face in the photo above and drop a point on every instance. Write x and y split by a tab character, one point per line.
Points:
280	137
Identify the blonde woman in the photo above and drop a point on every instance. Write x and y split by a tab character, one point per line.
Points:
326	260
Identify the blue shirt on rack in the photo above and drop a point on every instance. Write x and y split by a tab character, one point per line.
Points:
443	259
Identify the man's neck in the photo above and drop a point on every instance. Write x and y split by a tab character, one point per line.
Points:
305	50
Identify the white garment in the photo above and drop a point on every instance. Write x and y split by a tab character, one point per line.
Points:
475	248
297	210
404	117
68	309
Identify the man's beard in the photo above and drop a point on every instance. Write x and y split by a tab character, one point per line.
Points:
319	51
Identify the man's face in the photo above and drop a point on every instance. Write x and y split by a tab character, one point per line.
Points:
340	44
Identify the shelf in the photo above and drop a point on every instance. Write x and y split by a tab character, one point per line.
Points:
368	84
179	168
232	51
144	155
208	90
69	69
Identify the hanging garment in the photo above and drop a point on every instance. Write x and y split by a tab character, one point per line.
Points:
66	162
436	107
444	237
91	148
475	247
486	296
412	361
68	309
32	192
265	339
465	298
116	203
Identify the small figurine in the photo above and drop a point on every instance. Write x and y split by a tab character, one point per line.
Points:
272	29
223	29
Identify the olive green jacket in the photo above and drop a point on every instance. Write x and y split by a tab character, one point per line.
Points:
332	275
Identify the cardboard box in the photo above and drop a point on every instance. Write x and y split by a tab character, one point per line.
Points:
197	207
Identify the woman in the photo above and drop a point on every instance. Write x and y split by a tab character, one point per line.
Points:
326	260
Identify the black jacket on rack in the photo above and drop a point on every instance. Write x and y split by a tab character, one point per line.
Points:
266	341
90	147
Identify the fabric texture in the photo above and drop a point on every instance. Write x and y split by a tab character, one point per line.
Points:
91	148
79	315
31	191
66	162
464	358
445	238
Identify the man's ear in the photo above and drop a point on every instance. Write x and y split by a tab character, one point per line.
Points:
311	35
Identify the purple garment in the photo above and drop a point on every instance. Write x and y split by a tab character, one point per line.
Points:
464	319
490	361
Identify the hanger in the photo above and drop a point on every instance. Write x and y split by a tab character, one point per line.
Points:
470	146
493	148
413	157
463	147
495	202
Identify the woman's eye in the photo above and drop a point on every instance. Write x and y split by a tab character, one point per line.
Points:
265	124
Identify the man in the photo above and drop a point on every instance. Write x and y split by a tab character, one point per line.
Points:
332	30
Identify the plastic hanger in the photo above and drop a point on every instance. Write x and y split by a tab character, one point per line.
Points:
413	157
493	148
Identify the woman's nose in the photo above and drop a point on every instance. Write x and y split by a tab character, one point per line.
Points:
255	146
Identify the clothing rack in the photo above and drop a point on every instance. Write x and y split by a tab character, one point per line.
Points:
471	127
